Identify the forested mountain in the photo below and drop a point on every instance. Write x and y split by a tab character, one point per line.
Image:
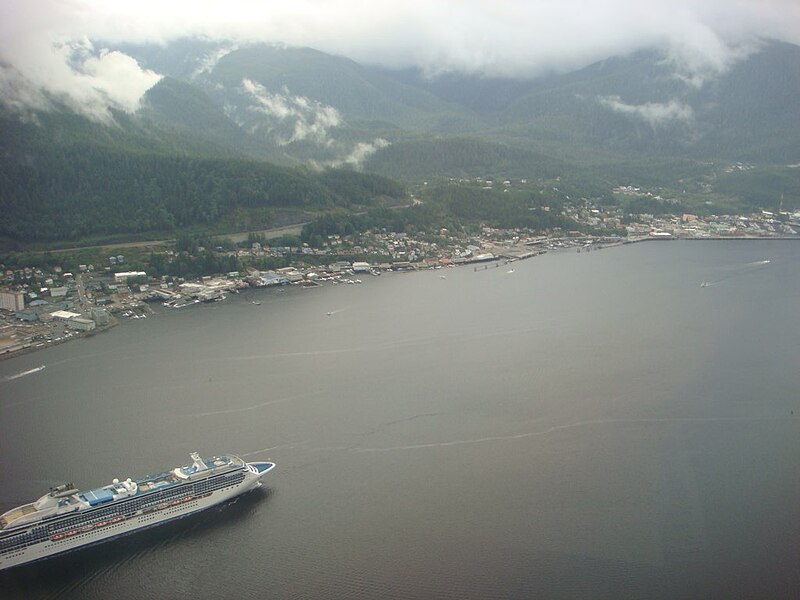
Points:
427	158
207	137
290	105
297	105
356	92
316	106
71	185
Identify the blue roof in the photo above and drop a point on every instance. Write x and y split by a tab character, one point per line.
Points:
95	497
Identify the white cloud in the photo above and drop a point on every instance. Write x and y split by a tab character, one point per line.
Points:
19	94
40	65
118	78
497	37
310	120
289	118
656	114
360	152
210	60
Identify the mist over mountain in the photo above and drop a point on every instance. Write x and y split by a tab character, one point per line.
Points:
301	106
638	117
298	104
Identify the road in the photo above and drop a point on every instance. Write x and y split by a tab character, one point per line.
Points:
235	237
83	302
267	233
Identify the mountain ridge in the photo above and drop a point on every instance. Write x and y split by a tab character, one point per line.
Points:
625	105
624	120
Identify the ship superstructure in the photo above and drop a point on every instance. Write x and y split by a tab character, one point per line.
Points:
66	518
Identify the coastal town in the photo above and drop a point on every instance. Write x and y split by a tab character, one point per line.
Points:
40	307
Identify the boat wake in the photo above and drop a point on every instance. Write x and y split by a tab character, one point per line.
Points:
238	410
271	448
229	411
23	374
737	271
556	428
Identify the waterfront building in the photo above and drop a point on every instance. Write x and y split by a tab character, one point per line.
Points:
81	323
64	315
100	316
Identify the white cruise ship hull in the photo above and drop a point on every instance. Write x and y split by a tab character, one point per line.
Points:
123	524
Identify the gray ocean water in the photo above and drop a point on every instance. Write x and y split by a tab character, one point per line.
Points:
593	425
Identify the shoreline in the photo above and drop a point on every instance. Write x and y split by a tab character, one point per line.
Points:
505	257
9	354
738	238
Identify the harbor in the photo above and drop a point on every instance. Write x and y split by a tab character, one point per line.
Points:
430	431
40	307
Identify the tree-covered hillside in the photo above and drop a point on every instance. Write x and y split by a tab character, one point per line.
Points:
617	110
427	158
74	189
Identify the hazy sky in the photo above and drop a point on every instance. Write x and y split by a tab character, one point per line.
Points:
58	45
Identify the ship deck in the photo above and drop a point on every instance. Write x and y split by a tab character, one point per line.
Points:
13	515
105	494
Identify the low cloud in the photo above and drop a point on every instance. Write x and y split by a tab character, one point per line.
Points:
707	60
113	79
309	120
210	60
655	114
513	38
361	152
86	79
287	118
19	94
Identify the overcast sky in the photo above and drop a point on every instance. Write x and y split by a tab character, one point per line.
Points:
58	45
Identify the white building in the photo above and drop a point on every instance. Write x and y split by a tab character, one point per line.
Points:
64	315
123	277
81	323
10	300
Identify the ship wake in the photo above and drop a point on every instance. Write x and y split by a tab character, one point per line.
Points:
557	428
23	374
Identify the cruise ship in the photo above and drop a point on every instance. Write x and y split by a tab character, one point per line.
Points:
66	518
